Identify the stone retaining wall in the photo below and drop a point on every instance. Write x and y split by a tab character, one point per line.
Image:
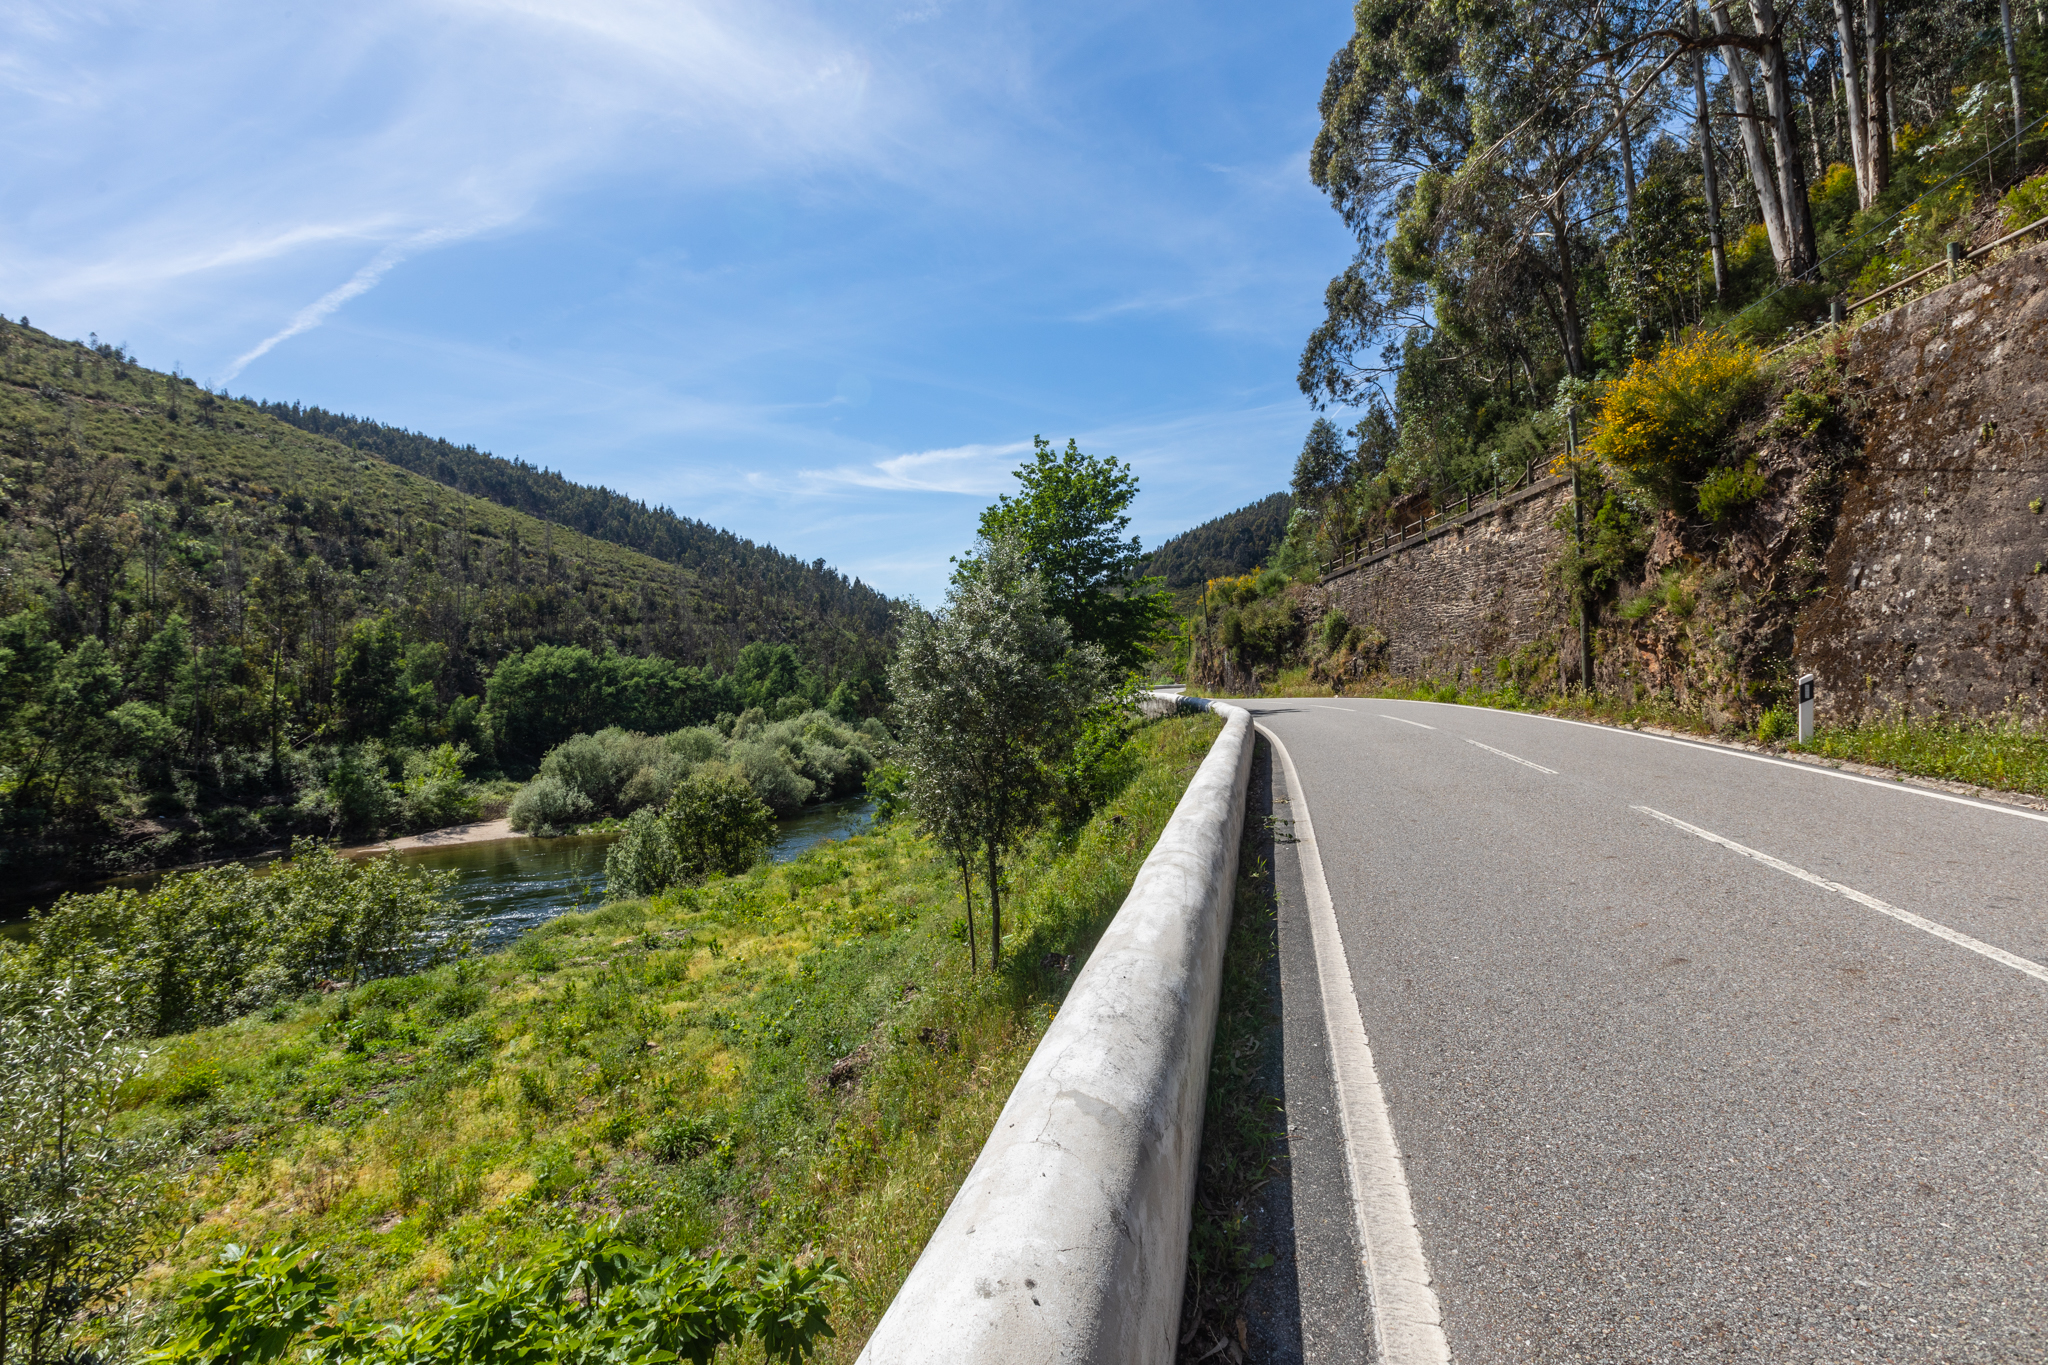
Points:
1937	577
1471	594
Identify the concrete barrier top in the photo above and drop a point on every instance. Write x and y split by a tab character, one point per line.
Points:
1068	1239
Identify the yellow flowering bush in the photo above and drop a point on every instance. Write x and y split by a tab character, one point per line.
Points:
1660	426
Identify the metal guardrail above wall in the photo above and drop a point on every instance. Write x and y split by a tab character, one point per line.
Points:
1957	259
1068	1240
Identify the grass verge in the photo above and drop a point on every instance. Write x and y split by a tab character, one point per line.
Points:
795	1061
2001	755
1244	1123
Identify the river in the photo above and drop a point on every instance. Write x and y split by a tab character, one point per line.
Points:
505	887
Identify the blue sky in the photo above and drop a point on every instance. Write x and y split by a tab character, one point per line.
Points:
816	273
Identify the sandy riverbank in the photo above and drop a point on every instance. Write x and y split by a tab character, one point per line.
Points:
475	832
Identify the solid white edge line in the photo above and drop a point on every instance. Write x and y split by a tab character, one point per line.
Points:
1407	1321
1384	716
1942	931
1897	786
1510	757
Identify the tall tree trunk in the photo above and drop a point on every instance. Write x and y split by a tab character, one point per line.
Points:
1570	329
2012	70
1785	141
1628	151
1852	95
1710	178
1812	116
1877	96
1747	123
995	910
967	886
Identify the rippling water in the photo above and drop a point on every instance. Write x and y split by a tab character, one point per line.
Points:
506	887
509	886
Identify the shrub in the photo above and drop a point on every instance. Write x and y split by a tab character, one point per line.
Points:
1727	491
773	778
1332	631
1662	423
435	791
80	1206
202	946
589	1295
548	805
357	794
1774	726
714	824
2026	203
601	766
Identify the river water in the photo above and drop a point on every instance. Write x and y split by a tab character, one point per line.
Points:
504	888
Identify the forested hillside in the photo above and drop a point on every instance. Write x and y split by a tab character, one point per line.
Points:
1232	544
762	572
217	628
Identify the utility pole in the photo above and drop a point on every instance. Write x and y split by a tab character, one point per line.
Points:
1571	419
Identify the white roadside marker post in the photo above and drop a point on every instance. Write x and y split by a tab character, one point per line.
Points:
1805	708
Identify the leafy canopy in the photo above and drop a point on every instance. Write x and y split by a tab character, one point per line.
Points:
1068	520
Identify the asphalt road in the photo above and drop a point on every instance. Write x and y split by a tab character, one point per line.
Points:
1659	1100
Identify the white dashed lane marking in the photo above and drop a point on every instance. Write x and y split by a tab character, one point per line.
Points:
1942	931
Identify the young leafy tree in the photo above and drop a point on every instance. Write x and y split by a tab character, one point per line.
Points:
990	694
79	1206
1068	521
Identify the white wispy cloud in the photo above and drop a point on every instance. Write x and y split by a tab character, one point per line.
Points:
974	469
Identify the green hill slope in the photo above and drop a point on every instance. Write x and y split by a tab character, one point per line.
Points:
1235	543
599	513
203	607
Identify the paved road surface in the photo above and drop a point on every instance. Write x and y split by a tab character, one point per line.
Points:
1657	1099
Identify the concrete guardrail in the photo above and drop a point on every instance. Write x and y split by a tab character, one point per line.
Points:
1068	1241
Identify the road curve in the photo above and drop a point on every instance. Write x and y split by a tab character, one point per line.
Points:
1688	1056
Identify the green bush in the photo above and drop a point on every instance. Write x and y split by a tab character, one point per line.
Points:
357	794
204	946
1728	490
1334	628
1775	726
714	824
435	791
604	765
806	757
548	805
2027	202
588	1297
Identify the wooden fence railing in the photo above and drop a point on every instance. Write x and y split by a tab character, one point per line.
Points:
1364	547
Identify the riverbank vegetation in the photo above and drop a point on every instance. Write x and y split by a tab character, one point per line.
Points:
222	627
789	764
796	1062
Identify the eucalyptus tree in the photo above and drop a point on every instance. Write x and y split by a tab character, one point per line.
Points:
990	694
